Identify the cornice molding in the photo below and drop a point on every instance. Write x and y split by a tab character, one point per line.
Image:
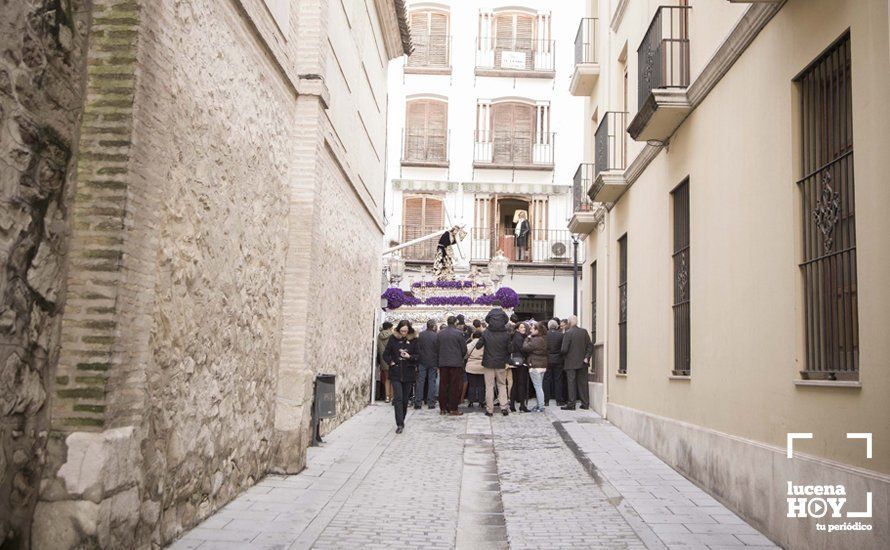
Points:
618	15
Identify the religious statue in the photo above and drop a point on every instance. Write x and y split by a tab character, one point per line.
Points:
443	266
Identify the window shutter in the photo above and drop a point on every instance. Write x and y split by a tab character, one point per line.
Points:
434	214
419	38
524	38
415	132
438	40
501	132
523	133
437	127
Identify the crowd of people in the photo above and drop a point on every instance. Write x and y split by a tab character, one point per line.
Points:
496	362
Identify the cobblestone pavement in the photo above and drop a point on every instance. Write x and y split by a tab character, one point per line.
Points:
554	480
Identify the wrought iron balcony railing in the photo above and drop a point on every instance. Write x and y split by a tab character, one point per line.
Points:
581	183
513	149
424	147
543	246
423	251
515	54
610	143
431	50
663	56
585	41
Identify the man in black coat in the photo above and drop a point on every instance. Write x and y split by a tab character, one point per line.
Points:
452	349
427	367
495	345
576	351
554	378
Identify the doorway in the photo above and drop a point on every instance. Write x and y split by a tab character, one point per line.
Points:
534	307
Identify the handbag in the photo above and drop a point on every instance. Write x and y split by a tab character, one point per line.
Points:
516	359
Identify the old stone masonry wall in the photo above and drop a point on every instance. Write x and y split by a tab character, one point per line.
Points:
42	54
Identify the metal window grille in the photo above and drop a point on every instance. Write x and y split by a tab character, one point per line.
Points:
622	304
828	266
680	198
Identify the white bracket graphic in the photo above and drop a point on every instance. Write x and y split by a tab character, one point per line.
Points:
866	437
791	437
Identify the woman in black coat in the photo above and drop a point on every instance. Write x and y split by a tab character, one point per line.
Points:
519	392
401	355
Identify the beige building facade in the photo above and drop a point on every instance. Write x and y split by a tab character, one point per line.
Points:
205	240
737	281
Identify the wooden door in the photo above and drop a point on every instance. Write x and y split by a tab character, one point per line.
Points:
426	130
513	133
514	32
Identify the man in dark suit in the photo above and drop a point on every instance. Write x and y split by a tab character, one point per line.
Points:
452	349
576	351
427	368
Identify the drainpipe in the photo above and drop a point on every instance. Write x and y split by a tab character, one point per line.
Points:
575	275
606	317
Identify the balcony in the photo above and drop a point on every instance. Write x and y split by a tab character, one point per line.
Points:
585	214
424	148
514	57
431	55
610	158
511	150
423	251
587	62
545	246
663	65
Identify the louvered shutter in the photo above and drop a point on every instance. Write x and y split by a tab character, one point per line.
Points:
433	214
437	131
503	36
438	40
502	133
523	133
415	130
419	38
524	39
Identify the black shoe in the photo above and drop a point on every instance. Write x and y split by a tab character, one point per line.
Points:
488	413
512	408
431	406
416	407
585	407
470	405
560	403
505	412
568	408
400	429
523	408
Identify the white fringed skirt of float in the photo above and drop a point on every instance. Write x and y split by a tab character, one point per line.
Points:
439	299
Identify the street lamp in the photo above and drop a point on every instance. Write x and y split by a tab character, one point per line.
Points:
396	268
497	267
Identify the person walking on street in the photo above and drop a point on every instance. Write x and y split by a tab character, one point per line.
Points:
382	340
427	367
475	371
576	351
535	348
519	391
401	356
495	343
452	349
554	379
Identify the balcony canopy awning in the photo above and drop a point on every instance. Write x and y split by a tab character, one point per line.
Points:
513	187
424	185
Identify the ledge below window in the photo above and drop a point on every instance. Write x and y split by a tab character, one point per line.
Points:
512	166
621	374
427	70
512	73
828	383
685	377
426	163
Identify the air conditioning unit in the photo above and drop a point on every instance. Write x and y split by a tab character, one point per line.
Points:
558	250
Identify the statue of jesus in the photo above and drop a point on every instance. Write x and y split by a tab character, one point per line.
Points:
443	266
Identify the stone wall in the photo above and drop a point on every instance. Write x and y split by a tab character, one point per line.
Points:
42	54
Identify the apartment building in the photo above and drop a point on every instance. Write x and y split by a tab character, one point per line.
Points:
482	127
738	252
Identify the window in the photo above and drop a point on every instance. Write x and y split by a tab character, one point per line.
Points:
429	34
622	304
680	199
513	131
513	37
828	266
514	41
426	131
422	215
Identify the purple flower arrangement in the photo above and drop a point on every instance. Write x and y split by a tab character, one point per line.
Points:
397	298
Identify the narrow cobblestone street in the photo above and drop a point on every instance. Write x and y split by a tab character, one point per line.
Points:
553	480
